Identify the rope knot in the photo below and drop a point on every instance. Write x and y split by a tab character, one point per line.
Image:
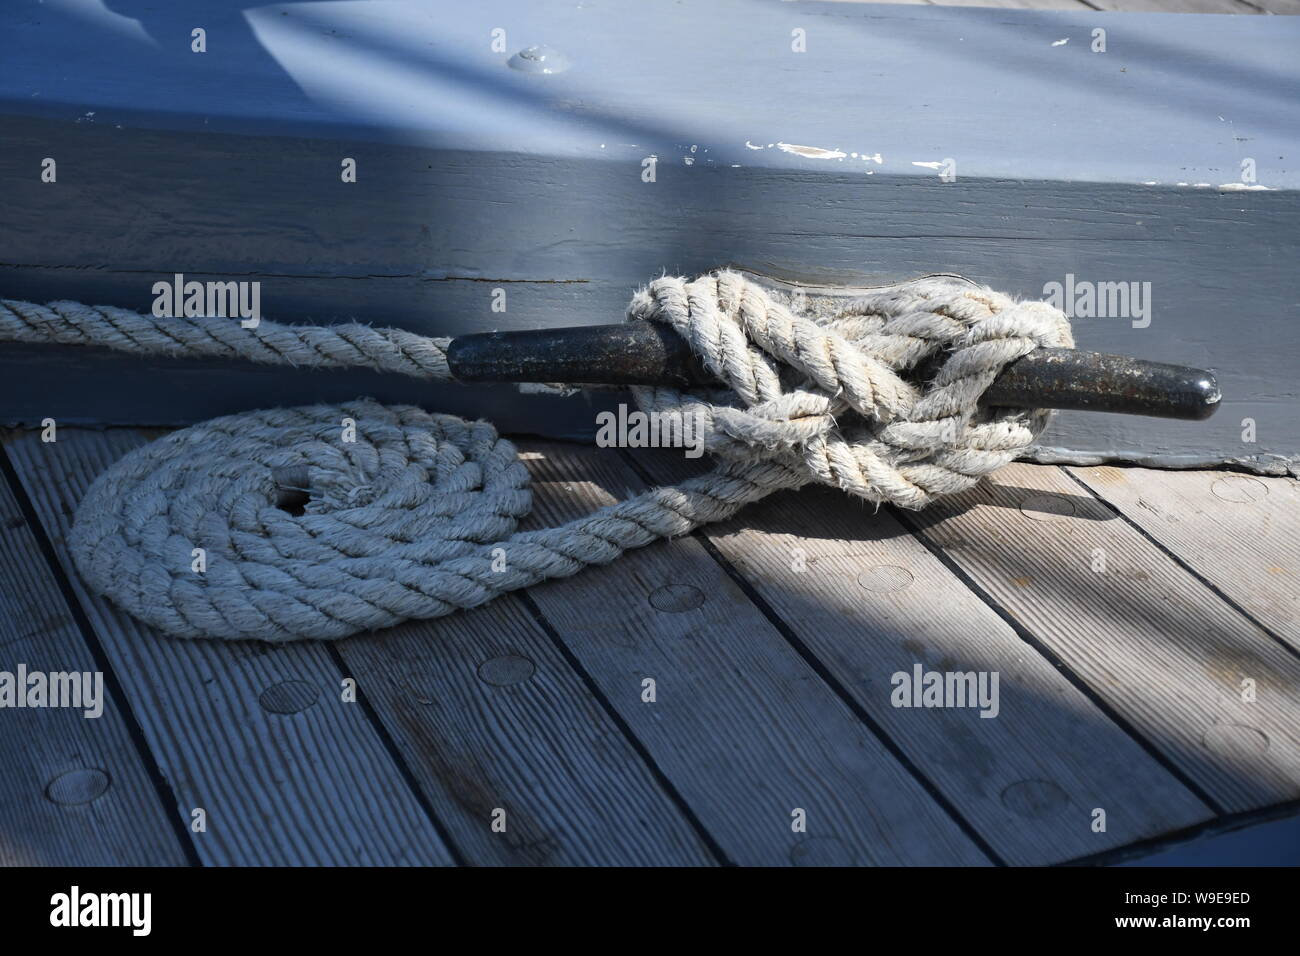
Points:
880	398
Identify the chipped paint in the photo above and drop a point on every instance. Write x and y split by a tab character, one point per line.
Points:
929	165
1061	42
752	146
811	152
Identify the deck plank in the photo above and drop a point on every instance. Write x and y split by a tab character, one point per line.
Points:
1144	635
871	601
742	726
488	714
75	790
1239	532
255	736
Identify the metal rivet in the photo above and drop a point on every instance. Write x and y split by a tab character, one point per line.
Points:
1035	799
289	697
506	670
1046	507
1239	489
885	577
540	59
676	598
77	787
1232	740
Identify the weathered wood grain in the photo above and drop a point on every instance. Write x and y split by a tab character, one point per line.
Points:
870	601
746	730
1146	637
489	716
1239	532
74	790
258	737
229	165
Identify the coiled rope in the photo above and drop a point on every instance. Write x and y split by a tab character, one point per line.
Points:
416	517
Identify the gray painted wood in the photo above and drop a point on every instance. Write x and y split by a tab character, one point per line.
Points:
1239	532
870	602
227	163
488	715
1180	6
742	726
1126	6
1016	4
75	790
256	736
1164	652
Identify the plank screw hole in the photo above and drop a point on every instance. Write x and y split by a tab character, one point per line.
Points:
1239	489
77	787
822	851
288	697
506	670
1047	507
884	578
1035	799
1232	740
676	598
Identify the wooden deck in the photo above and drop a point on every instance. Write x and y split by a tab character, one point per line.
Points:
1124	610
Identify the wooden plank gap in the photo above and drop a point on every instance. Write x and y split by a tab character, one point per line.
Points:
907	520
1235	533
607	705
112	685
831	681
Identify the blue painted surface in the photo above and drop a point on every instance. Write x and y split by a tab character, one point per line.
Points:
473	175
1171	99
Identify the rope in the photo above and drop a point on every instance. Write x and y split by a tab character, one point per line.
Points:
416	517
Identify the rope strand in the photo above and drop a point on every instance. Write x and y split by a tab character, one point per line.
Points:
417	517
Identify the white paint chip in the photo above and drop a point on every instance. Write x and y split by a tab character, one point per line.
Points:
751	145
929	165
1061	42
811	152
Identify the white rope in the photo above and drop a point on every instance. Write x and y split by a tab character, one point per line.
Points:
417	516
